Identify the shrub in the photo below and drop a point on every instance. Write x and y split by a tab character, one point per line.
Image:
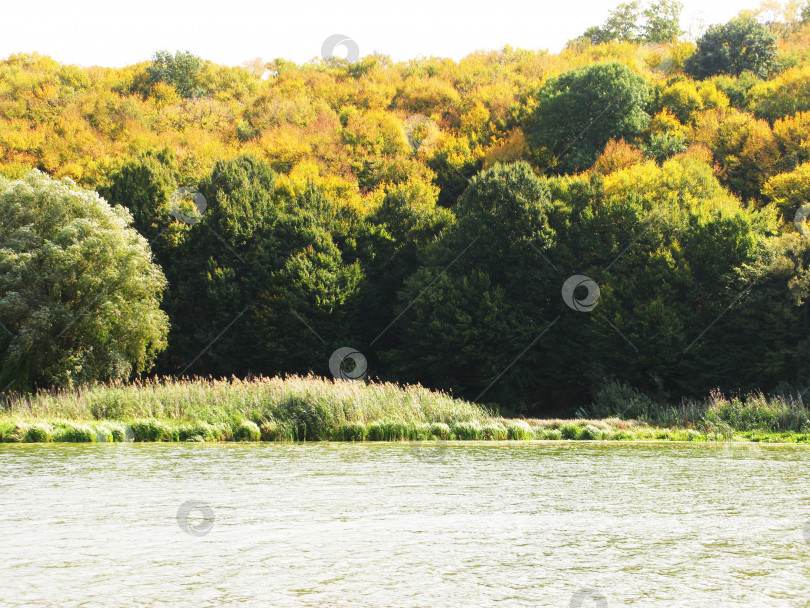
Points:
550	434
439	430
38	433
467	430
247	431
519	430
619	400
122	433
11	432
104	434
151	430
620	435
73	432
570	431
390	431
494	431
271	431
590	432
353	431
189	432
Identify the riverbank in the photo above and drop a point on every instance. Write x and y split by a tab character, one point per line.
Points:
316	409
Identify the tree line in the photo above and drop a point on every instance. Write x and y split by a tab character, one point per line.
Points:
518	228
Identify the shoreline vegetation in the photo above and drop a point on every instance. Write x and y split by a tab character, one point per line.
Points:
310	408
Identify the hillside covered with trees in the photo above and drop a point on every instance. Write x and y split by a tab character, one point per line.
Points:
519	227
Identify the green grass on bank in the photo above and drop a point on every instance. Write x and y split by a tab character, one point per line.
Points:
315	409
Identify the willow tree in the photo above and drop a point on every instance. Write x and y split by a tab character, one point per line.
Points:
79	292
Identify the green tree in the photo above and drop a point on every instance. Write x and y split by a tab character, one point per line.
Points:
407	219
578	112
657	23
662	22
742	44
144	185
621	24
79	294
181	70
258	268
483	292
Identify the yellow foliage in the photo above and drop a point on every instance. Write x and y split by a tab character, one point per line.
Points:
512	149
793	135
616	156
683	101
665	122
712	98
786	94
342	126
789	191
681	182
164	94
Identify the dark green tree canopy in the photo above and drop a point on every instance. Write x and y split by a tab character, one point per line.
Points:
144	185
257	264
578	112
743	44
489	291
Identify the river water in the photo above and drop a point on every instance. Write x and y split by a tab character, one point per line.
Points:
400	525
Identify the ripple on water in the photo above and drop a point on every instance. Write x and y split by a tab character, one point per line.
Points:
460	524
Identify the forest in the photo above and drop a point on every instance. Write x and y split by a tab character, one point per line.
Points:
519	228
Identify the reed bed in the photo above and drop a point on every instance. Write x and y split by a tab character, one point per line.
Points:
309	408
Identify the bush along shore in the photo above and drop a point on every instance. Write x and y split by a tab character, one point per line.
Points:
315	409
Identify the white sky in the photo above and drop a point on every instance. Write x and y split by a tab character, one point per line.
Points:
122	32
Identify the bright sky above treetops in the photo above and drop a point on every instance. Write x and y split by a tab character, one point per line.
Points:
121	32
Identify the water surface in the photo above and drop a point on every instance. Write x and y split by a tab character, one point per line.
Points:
396	525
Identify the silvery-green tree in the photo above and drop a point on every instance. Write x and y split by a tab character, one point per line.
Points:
79	291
